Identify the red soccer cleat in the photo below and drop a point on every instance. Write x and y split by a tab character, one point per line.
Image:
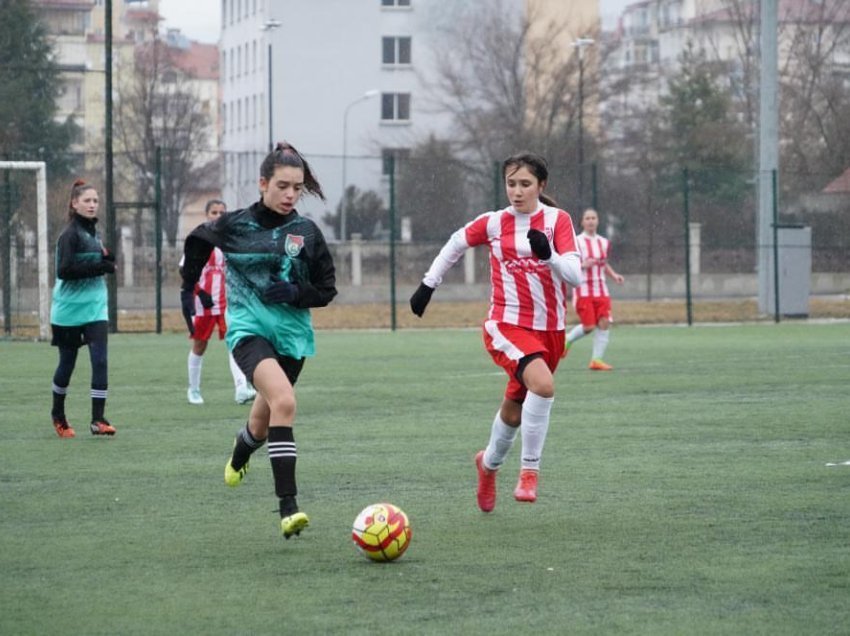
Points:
63	429
526	487
102	427
486	484
598	365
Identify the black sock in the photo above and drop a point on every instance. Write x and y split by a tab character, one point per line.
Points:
58	410
283	455
288	506
246	444
98	403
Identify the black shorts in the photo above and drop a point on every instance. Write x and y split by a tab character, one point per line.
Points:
250	351
77	336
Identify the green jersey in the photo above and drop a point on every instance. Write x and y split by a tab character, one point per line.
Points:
261	247
79	295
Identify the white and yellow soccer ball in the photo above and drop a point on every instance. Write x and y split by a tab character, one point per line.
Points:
381	532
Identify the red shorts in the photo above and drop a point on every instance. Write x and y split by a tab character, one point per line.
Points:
204	326
592	309
508	345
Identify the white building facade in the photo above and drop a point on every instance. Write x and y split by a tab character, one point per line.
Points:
348	88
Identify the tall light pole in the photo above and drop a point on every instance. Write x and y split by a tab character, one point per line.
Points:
580	44
342	213
268	26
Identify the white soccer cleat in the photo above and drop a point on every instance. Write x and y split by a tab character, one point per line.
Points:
194	396
245	394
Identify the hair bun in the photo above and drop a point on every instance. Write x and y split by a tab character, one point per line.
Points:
78	183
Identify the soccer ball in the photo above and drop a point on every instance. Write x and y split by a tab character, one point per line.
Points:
381	532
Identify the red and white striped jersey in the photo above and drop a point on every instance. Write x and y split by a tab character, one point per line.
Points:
524	290
593	278
212	282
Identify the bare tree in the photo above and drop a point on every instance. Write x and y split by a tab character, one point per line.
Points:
512	86
814	87
158	108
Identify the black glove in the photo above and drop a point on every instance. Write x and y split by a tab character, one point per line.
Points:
539	245
108	256
206	300
187	304
107	267
420	299
280	291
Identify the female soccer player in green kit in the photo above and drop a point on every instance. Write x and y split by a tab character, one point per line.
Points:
78	311
278	267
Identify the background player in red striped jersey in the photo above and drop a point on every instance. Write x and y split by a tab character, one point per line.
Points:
591	299
533	257
210	305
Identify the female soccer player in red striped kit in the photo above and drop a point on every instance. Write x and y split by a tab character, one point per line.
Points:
209	309
591	299
533	257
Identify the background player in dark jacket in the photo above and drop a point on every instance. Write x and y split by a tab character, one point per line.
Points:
78	312
277	267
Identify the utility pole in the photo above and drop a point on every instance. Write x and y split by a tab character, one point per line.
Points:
579	44
768	140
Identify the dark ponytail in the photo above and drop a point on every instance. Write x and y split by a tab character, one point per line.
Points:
285	154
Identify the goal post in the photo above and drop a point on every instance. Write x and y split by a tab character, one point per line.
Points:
40	169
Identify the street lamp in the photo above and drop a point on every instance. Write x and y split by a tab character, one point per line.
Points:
268	26
342	213
580	43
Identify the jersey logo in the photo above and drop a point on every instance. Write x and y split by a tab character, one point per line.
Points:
293	245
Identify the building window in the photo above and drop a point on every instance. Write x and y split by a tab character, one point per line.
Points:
395	3
396	50
398	154
395	107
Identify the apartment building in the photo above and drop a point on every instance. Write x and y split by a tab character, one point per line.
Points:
77	28
345	81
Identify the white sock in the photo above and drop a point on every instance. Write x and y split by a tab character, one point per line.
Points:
502	439
535	425
195	364
600	343
239	379
575	333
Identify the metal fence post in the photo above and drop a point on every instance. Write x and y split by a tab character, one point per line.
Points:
391	159
775	247
158	237
687	212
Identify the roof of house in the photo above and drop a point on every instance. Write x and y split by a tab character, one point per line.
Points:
199	61
839	185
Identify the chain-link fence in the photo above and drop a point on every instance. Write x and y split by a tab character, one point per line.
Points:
672	233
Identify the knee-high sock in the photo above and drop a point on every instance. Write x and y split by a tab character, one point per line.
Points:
245	445
239	379
600	343
196	363
99	378
502	439
62	379
535	425
59	393
575	333
283	455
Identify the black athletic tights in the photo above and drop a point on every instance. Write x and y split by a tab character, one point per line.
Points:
68	359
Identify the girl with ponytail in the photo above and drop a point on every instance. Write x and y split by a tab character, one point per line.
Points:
278	269
78	312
